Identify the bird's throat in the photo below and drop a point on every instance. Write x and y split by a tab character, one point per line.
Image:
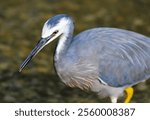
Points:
62	46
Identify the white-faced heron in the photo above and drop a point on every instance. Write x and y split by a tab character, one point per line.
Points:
107	61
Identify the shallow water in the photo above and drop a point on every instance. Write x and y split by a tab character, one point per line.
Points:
21	23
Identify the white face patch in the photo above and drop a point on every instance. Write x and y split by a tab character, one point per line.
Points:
45	30
61	26
64	26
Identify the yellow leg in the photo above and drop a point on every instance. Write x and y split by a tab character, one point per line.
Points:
129	93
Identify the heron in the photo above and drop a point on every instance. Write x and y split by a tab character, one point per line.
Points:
107	61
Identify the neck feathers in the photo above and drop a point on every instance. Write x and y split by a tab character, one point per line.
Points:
64	42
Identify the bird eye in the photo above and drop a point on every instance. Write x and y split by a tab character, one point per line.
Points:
55	32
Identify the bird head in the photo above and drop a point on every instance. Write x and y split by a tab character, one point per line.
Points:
53	28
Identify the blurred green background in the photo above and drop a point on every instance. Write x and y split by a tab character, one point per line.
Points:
21	22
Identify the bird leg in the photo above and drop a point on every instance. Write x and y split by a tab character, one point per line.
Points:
129	93
113	99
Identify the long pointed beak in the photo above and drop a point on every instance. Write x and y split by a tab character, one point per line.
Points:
33	53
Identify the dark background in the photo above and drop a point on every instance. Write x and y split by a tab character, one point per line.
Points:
21	22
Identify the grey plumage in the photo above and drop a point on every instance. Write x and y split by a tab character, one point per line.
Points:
104	60
121	57
51	22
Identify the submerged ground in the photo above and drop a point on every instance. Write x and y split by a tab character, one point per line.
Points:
20	28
